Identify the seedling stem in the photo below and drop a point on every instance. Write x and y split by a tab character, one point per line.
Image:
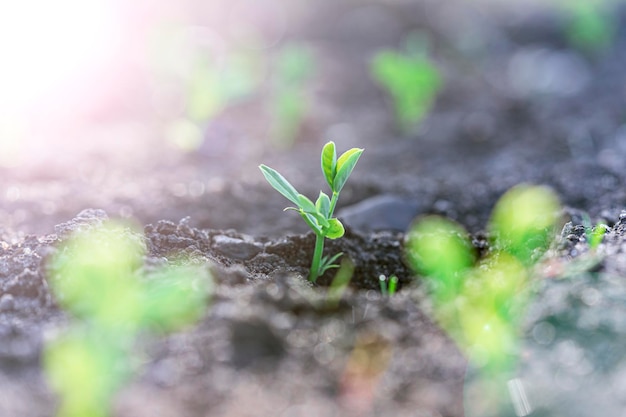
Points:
319	215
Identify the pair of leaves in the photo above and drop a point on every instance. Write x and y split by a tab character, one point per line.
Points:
317	215
337	170
328	263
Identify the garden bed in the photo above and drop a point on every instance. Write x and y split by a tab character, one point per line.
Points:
520	104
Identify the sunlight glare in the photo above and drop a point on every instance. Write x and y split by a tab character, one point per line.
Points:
47	46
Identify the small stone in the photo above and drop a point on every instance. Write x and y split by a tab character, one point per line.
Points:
382	212
7	302
232	275
236	248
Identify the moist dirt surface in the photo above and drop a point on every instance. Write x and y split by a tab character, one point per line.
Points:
519	105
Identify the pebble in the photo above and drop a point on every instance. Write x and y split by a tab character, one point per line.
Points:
236	248
7	302
382	212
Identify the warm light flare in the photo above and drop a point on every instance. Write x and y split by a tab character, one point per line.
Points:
48	46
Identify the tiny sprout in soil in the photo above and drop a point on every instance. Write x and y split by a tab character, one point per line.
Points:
594	235
388	287
319	215
410	79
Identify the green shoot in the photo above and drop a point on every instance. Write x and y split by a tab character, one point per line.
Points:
522	222
388	287
594	235
96	278
591	27
319	215
412	82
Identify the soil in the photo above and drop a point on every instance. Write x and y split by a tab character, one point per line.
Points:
520	105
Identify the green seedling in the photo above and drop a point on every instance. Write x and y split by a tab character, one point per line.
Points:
590	27
412	82
291	73
522	223
96	277
319	215
213	86
481	302
389	286
196	81
594	235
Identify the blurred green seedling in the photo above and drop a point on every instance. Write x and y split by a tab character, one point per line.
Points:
594	234
211	87
215	85
480	302
96	277
86	370
292	71
340	282
412	82
591	25
319	215
522	223
195	79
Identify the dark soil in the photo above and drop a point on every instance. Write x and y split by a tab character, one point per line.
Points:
519	106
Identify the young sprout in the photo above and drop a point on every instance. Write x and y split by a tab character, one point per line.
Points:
388	287
594	235
96	277
411	81
523	221
591	26
319	215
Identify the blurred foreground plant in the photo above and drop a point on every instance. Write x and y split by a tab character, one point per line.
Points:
591	24
410	79
481	303
319	215
96	278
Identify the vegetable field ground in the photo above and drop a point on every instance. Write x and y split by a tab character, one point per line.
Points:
161	132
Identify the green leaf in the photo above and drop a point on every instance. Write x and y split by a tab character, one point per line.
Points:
323	204
523	220
307	206
345	165
312	221
280	184
329	163
328	263
441	250
334	230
